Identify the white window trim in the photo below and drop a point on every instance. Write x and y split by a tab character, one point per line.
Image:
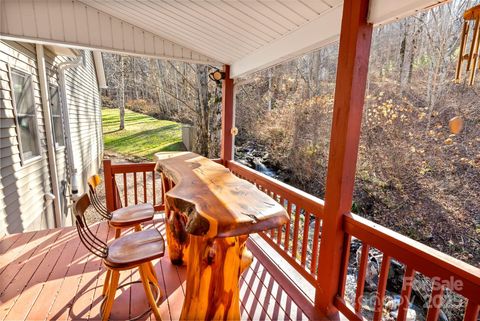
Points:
57	146
33	159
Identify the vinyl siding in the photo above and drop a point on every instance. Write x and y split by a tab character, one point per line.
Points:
22	188
83	101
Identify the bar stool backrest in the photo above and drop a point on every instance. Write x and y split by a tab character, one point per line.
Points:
88	238
93	182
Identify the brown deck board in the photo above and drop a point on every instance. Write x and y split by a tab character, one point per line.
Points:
36	283
51	276
48	294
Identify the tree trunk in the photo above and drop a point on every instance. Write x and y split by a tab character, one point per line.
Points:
202	111
121	95
213	272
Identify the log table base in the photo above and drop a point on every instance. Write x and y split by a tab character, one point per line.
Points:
209	214
213	272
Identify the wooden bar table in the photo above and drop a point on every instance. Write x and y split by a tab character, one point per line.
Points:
209	214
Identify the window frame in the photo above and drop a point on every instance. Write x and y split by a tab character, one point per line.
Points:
23	160
57	145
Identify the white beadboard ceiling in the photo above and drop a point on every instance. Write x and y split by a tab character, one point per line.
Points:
247	34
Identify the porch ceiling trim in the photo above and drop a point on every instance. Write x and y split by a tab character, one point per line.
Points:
77	25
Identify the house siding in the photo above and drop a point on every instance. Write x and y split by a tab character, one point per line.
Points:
23	187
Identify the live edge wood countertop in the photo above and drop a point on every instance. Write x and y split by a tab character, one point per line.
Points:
217	203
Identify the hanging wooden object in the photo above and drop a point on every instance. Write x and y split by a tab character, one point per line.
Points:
469	45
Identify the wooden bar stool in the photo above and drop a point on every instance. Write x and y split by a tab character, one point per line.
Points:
125	253
122	217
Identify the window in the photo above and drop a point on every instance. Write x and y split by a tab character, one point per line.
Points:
25	113
57	120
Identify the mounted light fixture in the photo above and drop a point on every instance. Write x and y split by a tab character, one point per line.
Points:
217	76
470	55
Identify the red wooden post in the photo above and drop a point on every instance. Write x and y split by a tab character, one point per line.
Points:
108	179
226	152
352	69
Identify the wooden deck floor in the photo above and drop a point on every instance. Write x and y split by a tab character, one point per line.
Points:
50	275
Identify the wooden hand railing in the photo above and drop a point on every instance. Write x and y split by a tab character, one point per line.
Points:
292	240
444	270
143	178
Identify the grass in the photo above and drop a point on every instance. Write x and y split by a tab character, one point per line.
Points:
142	137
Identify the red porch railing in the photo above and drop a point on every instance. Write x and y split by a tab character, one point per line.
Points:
299	245
142	177
444	271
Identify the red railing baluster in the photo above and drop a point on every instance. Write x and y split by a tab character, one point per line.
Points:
280	229
381	287
471	311
125	190
316	235
286	245
144	187
405	295
295	232
345	257
362	269
435	303
135	188
306	230
153	188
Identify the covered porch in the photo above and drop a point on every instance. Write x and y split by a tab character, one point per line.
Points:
297	273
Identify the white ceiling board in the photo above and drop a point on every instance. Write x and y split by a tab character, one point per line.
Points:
384	11
74	24
315	34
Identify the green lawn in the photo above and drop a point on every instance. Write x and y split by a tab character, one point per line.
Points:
143	135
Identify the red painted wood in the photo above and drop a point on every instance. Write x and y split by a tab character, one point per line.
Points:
15	253
125	190
424	259
133	167
306	229
108	179
36	278
280	229
286	245
55	279
292	261
345	258
345	308
382	285
406	292
436	300
471	312
353	57
296	225
316	236
226	151
295	196
154	195
135	187
144	187
66	292
361	277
